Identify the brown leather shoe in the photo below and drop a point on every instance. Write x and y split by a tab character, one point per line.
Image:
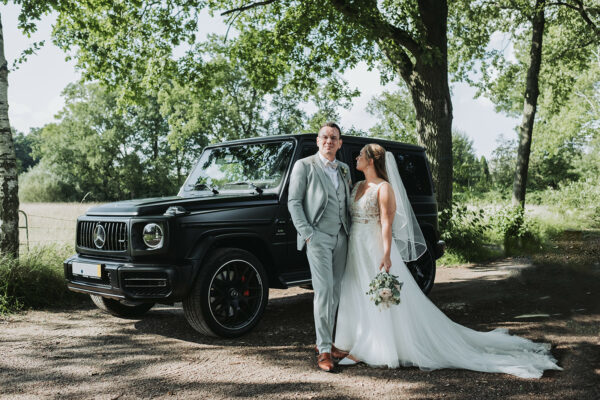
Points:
325	363
337	353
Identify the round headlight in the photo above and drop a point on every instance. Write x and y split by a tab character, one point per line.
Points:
153	236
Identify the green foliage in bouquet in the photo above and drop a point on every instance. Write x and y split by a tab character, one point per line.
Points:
385	289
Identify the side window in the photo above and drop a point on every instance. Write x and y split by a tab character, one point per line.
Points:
413	171
308	149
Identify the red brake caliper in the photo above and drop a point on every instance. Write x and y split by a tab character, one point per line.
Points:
246	292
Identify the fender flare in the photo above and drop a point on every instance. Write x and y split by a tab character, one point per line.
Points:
207	243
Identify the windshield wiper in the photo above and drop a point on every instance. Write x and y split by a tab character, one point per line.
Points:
203	186
252	185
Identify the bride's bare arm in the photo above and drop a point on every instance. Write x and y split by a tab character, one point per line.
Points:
387	210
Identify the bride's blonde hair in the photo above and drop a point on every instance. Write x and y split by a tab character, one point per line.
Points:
375	152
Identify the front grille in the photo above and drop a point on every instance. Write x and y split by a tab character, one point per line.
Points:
115	235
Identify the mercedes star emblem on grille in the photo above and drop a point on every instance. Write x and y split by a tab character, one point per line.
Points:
99	236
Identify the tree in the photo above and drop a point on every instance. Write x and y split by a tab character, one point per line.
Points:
24	149
31	11
566	139
467	169
396	116
502	162
485	171
328	98
568	29
9	184
45	182
308	41
224	105
107	151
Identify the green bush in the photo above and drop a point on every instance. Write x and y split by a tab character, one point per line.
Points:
581	195
516	229
42	184
465	232
35	279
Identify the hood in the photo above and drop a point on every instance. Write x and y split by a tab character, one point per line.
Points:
158	205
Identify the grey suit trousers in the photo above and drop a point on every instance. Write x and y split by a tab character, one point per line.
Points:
327	258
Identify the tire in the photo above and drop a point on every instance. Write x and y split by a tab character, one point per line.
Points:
229	295
423	270
121	309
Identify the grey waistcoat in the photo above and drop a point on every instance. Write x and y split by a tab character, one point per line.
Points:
335	215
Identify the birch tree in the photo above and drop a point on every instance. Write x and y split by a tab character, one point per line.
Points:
9	186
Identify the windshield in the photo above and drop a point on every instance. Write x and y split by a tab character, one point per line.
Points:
256	167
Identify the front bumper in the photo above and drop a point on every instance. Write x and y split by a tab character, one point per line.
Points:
130	281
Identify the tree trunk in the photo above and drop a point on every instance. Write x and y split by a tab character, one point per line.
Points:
9	188
422	62
428	85
427	80
532	92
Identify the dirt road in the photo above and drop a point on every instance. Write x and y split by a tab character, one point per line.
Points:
85	354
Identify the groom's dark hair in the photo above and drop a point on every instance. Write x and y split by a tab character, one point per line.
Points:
331	125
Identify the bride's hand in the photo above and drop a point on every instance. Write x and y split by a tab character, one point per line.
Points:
386	263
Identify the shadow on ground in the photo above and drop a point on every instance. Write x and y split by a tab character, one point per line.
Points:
553	299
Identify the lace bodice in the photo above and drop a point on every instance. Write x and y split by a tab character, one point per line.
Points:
366	209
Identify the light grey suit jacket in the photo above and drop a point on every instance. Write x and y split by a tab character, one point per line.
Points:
307	197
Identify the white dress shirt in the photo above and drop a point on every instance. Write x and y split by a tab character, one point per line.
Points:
331	172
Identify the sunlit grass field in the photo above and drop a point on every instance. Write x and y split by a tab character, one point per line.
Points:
49	223
55	223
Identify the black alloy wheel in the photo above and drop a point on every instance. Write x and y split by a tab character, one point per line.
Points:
423	270
229	296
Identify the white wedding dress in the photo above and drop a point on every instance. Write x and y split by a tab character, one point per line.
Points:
416	332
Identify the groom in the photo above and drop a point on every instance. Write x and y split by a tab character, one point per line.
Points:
319	203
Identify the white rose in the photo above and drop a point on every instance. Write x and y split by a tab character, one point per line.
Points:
385	293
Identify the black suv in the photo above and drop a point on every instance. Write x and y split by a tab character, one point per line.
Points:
226	238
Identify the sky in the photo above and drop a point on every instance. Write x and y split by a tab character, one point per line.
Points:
34	91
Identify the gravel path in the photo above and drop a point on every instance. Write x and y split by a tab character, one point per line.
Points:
84	354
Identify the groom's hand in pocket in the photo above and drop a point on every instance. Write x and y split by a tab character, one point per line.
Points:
307	240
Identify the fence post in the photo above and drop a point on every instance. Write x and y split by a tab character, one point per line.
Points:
26	227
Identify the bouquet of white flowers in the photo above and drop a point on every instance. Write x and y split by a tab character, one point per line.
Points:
384	289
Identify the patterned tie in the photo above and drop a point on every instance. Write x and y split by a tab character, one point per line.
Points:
332	164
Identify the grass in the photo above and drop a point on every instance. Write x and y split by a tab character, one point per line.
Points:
50	223
494	232
35	279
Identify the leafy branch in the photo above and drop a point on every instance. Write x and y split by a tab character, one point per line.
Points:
33	49
248	7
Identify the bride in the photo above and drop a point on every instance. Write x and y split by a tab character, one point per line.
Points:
385	234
